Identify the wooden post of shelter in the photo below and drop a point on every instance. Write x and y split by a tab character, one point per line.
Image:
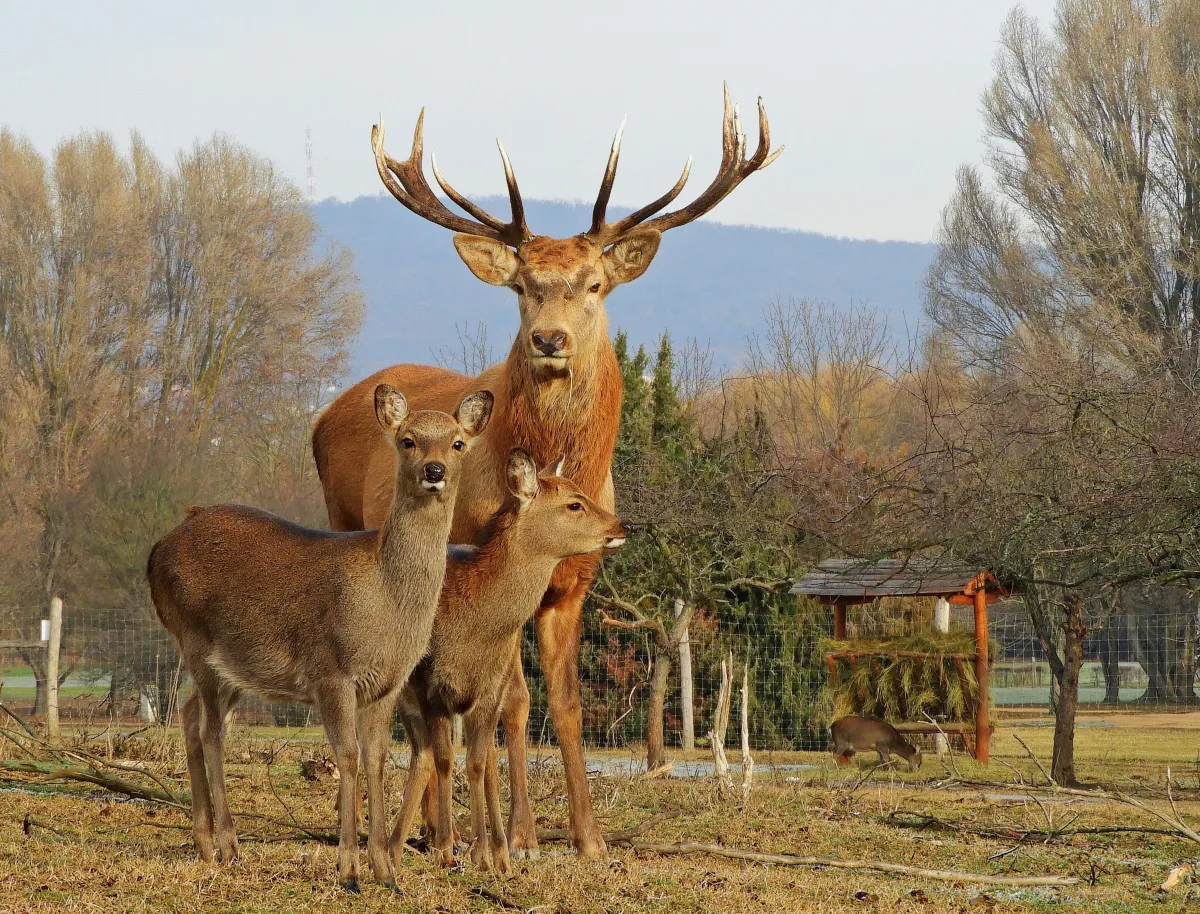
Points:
839	621
983	730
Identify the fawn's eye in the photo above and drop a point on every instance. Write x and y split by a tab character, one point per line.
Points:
595	288
518	288
407	443
459	445
575	506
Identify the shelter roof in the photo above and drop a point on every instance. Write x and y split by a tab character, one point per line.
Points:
855	580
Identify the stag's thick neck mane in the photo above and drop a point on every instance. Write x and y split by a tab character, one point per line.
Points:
575	416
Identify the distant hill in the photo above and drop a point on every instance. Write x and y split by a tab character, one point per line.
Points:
709	281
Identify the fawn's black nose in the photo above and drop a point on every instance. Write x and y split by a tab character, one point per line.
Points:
548	345
434	471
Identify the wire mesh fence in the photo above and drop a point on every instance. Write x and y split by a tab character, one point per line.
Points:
120	664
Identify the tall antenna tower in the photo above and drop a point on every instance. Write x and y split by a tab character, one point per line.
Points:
312	169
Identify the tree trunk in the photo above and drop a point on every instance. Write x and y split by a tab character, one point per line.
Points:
36	659
1110	659
1062	768
656	753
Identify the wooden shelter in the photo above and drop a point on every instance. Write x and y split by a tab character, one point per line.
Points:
847	582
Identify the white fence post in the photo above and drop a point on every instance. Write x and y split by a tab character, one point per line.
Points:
941	622
685	682
52	649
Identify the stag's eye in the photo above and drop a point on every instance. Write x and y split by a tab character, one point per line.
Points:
407	443
518	288
575	506
459	445
595	288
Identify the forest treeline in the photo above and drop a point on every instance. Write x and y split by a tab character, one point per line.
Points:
169	331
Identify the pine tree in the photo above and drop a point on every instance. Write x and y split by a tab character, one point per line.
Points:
666	413
635	414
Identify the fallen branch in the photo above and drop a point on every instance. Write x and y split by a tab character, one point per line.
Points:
49	772
918	821
1176	823
692	847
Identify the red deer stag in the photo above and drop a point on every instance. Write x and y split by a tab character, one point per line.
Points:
558	392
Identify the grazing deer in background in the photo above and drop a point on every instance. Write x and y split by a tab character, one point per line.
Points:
490	592
866	733
557	393
337	620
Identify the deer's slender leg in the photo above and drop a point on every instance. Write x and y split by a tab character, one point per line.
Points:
443	760
215	701
479	738
202	812
374	737
420	768
491	786
559	629
336	703
522	830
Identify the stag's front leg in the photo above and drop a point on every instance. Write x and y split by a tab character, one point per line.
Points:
522	830
559	629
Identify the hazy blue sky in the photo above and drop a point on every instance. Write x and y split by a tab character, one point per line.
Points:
876	100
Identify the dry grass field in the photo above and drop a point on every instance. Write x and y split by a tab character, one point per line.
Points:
71	846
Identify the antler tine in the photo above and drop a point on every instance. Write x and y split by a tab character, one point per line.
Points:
638	216
478	212
406	182
734	168
606	185
514	196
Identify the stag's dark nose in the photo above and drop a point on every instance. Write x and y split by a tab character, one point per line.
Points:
550	345
435	472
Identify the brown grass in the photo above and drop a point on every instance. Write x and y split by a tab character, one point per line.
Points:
110	855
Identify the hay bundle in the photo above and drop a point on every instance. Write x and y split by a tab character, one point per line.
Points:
886	681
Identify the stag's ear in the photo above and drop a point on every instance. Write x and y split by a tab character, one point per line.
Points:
522	476
492	261
474	412
391	409
626	260
550	471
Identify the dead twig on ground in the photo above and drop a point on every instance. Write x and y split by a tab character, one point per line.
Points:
692	847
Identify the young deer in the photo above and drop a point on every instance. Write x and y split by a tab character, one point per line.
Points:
866	733
490	592
337	620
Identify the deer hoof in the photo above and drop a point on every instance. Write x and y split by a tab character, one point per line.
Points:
351	885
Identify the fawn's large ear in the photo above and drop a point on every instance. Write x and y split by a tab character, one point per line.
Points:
522	476
628	259
492	261
475	411
391	409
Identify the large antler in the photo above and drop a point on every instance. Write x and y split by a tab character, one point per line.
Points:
735	168
406	181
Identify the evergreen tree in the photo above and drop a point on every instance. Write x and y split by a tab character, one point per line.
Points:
666	413
635	413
